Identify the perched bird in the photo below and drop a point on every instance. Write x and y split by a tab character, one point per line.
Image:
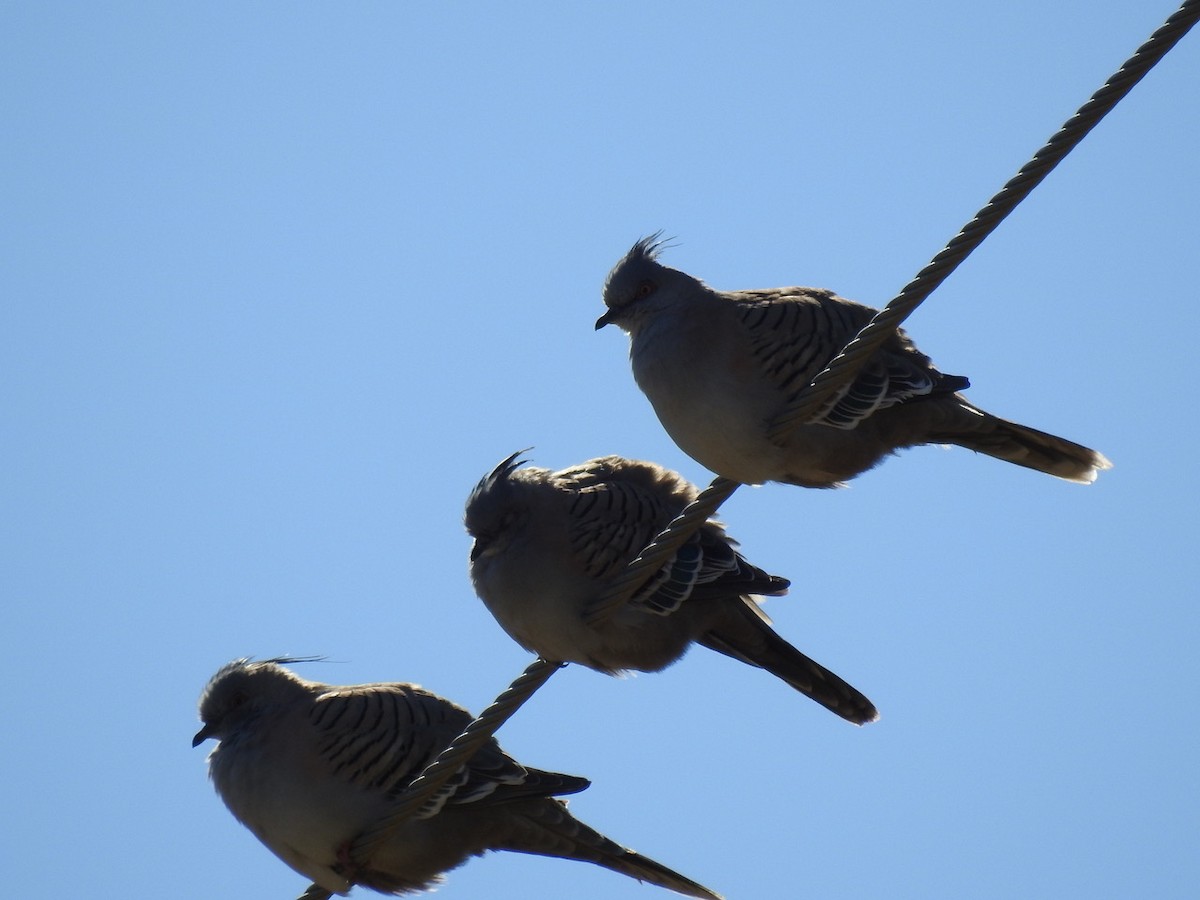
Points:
308	767
720	367
548	543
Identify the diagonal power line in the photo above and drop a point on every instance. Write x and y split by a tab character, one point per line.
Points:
800	409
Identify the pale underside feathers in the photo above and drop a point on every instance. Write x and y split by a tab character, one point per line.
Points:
548	543
720	368
308	767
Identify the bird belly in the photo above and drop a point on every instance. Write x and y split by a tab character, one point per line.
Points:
713	415
551	626
300	817
554	626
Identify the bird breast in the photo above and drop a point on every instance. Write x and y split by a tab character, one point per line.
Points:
302	815
709	401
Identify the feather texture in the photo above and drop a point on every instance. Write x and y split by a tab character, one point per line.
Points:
309	767
720	368
547	544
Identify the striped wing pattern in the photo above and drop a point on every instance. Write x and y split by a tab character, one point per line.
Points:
795	332
613	518
381	737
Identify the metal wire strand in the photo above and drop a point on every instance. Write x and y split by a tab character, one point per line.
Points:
806	403
800	410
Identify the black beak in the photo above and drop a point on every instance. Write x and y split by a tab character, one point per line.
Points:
202	735
606	319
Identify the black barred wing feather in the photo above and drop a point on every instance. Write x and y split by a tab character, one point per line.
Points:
673	583
707	566
617	509
796	332
383	736
727	572
611	521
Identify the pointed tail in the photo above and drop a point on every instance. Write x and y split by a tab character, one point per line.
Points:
969	426
550	830
745	635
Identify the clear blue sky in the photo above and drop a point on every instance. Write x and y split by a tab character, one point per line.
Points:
281	281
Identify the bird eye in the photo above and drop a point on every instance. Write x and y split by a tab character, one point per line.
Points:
645	289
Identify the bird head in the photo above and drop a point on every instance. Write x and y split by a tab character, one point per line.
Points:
493	506
635	284
242	690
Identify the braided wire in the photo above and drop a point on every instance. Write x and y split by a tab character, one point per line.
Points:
801	409
807	403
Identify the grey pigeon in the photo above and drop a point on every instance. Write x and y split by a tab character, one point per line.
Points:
719	368
547	544
308	767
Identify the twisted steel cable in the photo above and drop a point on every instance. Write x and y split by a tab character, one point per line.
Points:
802	407
807	402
